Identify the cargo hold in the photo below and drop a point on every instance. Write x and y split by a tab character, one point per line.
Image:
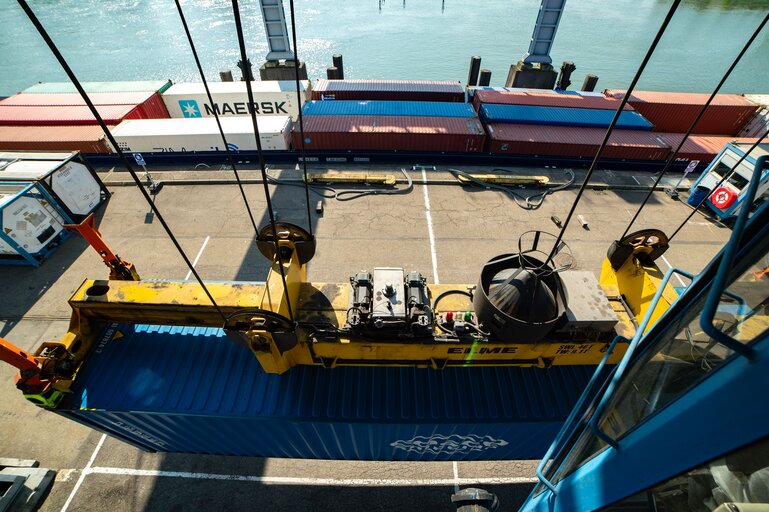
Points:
575	142
388	108
86	139
202	134
560	116
393	90
674	112
391	133
271	98
192	390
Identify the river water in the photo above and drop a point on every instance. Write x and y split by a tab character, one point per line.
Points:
415	39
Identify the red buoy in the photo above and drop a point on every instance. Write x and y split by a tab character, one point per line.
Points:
723	198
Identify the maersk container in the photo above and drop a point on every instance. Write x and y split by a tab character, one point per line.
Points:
389	90
86	139
538	98
388	108
158	86
391	133
202	134
68	115
271	98
192	390
67	177
560	116
674	112
150	104
534	140
31	223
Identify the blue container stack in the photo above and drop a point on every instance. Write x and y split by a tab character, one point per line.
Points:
561	116
388	108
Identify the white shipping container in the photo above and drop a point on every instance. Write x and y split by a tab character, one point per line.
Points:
27	219
202	134
271	98
72	184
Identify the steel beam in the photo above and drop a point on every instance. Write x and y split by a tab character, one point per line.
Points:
549	17
275	27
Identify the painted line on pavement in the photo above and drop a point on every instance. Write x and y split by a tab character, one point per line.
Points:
200	253
671	266
290	480
429	218
84	473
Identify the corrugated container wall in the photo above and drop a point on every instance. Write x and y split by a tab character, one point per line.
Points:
69	115
388	108
391	133
271	98
150	105
699	147
600	102
675	111
192	390
158	86
560	116
202	134
86	139
575	142
391	90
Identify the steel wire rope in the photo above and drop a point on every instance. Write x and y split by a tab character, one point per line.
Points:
620	108
216	116
62	61
260	153
715	187
531	202
694	123
301	118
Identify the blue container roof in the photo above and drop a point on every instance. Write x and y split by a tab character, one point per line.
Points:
388	108
199	371
562	116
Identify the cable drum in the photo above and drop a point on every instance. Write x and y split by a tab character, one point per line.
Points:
520	298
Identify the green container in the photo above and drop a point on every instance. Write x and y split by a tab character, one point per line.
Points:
132	86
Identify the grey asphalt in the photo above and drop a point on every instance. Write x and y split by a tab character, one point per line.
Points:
470	226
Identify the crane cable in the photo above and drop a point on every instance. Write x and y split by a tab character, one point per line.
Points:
694	123
216	116
260	153
54	49
301	118
715	187
639	72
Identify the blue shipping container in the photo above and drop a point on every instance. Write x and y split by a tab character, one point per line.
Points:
192	390
562	116
388	108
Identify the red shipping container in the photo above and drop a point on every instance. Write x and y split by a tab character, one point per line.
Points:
391	133
674	112
86	139
568	141
150	104
68	115
389	90
545	100
700	147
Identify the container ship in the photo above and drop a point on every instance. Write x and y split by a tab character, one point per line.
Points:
379	120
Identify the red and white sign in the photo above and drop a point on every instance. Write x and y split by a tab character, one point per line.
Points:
723	197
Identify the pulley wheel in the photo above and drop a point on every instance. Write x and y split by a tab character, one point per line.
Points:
304	243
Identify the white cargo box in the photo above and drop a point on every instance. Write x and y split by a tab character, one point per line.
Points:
271	98
202	134
30	223
67	177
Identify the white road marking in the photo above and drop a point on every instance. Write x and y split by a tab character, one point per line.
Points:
455	466
671	266
84	473
290	480
200	253
429	218
636	180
